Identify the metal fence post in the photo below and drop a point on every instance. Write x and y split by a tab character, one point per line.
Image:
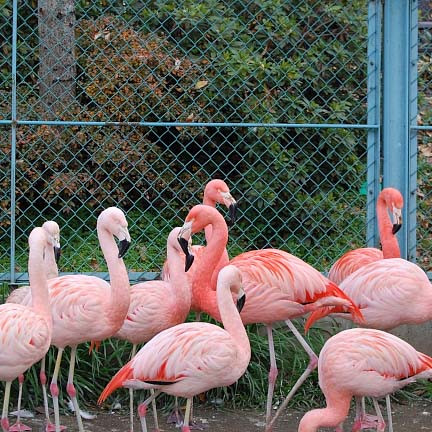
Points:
398	108
13	139
373	138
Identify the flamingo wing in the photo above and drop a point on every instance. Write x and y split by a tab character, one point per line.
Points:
370	362
351	261
77	305
24	339
181	361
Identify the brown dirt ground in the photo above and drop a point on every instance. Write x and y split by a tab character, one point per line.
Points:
411	417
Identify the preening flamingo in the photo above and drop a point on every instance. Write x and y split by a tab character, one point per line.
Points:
157	305
278	285
215	192
191	358
362	362
51	256
87	308
389	292
25	331
389	200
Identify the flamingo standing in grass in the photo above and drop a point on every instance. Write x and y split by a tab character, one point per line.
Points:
87	308
279	287
157	305
25	331
215	192
51	257
389	293
362	362
389	200
191	358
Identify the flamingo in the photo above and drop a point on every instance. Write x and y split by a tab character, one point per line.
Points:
362	362
216	191
191	358
389	292
389	200
157	305
279	287
86	308
25	331
51	256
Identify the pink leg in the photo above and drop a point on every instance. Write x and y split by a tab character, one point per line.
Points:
273	373
185	427
55	394
4	418
142	410
18	426
70	388
313	362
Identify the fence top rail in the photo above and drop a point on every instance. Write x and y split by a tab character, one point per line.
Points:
190	124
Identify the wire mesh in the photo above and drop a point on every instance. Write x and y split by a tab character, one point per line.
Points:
139	104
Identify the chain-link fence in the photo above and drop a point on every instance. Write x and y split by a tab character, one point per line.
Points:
139	104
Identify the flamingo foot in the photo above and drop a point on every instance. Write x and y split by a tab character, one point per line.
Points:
18	427
176	417
368	422
50	427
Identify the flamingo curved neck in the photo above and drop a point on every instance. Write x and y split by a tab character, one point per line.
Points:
389	241
38	280
119	298
179	278
231	320
331	416
203	285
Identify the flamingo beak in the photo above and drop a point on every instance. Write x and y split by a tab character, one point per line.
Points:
123	247
397	220
184	244
57	253
232	214
231	204
241	300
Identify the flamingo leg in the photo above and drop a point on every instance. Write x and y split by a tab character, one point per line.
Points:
142	409
4	418
71	389
313	362
389	414
176	416
55	390
366	421
185	427
131	401
273	373
155	417
18	426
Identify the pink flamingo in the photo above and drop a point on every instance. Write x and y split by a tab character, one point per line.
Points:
52	255
279	287
389	292
157	305
25	331
389	200
86	308
216	191
362	362
191	358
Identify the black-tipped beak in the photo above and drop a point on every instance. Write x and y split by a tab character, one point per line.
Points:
123	246
184	245
232	214
241	302
396	228
57	254
189	259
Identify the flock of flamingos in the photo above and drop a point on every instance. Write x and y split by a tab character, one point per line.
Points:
374	288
